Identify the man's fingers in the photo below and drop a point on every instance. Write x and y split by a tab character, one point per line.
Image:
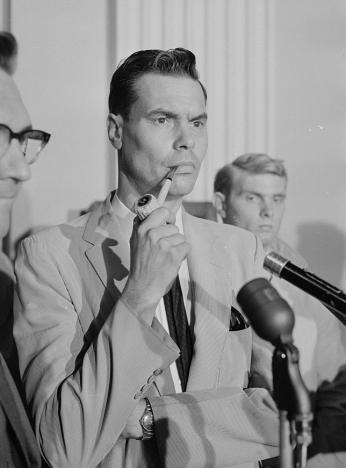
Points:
162	231
172	242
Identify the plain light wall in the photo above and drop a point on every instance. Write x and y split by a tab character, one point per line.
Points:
275	73
62	75
310	129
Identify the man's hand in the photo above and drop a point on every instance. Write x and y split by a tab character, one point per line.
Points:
133	429
157	250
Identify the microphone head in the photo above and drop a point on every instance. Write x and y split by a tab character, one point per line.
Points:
269	314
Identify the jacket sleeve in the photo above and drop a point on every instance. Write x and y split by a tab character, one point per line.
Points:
80	401
218	427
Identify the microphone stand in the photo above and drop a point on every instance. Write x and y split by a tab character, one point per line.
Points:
293	401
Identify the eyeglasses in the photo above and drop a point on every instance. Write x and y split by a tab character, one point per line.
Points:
32	142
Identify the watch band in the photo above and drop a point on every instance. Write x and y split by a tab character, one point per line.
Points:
147	421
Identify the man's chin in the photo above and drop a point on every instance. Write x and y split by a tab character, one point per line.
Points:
266	238
267	242
182	186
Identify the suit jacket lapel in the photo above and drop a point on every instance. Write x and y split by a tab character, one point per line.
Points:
212	291
108	252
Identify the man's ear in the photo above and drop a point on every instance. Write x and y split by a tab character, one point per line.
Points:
219	202
115	130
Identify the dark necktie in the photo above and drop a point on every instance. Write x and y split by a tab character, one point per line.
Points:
179	329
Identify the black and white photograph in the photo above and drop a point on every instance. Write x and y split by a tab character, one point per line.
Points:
173	234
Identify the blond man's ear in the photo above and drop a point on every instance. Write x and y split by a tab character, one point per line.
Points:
219	201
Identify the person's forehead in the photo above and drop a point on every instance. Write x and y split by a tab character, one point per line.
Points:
155	89
12	110
265	184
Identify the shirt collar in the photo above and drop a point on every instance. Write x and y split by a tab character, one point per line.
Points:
124	215
120	209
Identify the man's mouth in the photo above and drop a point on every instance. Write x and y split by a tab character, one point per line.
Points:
8	192
184	167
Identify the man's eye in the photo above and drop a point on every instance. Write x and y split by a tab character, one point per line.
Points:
198	123
278	200
161	120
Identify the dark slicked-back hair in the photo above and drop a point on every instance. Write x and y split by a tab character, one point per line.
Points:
175	62
253	163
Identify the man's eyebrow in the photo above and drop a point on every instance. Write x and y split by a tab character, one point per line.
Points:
162	111
259	194
203	116
173	115
27	128
250	191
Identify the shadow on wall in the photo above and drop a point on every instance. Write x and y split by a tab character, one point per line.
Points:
324	247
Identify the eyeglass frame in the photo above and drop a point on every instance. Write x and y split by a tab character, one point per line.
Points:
19	136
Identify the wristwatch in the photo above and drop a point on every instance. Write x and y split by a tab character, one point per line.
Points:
147	421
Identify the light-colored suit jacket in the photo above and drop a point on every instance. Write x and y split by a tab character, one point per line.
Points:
86	358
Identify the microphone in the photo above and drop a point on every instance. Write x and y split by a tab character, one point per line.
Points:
273	320
333	298
269	314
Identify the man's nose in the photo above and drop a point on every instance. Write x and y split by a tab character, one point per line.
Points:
184	139
16	165
267	209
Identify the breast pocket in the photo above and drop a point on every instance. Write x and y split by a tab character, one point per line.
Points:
236	359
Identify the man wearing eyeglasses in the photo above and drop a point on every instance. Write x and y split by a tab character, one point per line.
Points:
19	147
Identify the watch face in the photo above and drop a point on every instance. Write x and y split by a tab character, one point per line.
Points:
147	420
